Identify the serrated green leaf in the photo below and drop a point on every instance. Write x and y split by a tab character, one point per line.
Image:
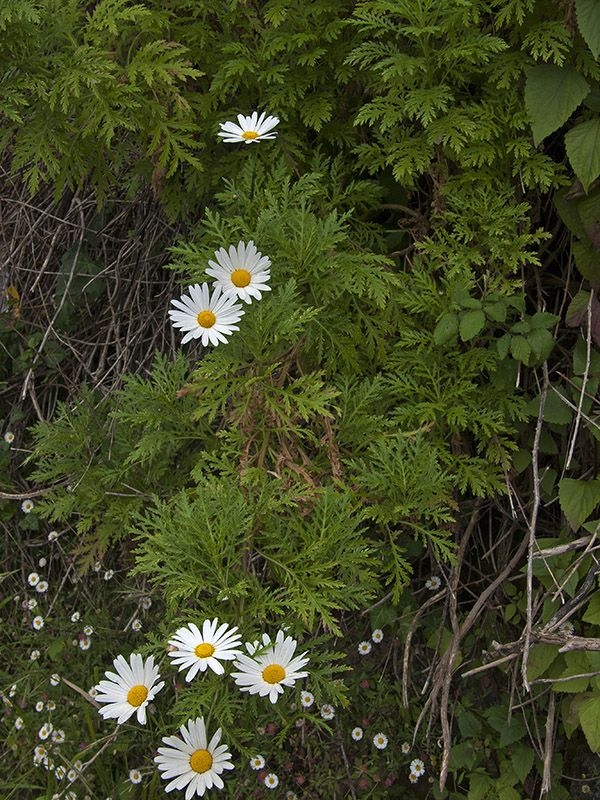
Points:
578	499
551	95
583	149
541	342
520	349
576	663
446	329
522	762
503	345
541	657
588	20
543	319
589	719
495	311
471	324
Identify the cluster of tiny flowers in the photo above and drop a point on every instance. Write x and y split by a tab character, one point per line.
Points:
269	666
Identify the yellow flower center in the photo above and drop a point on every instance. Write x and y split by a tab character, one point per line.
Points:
136	695
240	278
273	673
201	761
206	319
249	135
204	650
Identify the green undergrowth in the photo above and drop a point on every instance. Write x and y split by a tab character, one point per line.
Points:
402	435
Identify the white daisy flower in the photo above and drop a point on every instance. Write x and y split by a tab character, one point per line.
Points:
42	562
199	650
193	762
32	603
271	781
257	762
78	765
19	723
60	772
84	642
377	635
417	766
52	536
75	616
136	625
135	776
97	566
9	437
243	272
42	587
40	751
405	748
45	731
130	689
357	734
39	706
307	699
433	583
291	796
327	711
364	648
33	579
50	705
58	736
207	317
27	506
380	740
71	775
88	630
413	777
54	679
109	574
34	655
37	623
250	129
271	669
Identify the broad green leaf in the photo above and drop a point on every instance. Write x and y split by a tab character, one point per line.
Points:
503	345
468	724
587	258
551	95
471	323
592	613
479	786
520	349
589	719
588	19
446	329
578	499
541	342
508	793
577	310
555	410
495	311
542	319
541	657
583	149
575	664
568	210
513	731
522	762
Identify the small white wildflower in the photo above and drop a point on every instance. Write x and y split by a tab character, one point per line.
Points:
33	579
42	587
271	781
250	129
413	777
42	563
84	642
52	536
34	655
40	751
327	711
405	748
97	566
12	690
146	602
433	583
88	630
377	635
135	776
567	629
45	731
75	616
380	740
93	692
109	574
54	679
417	766
364	648
37	623
27	506
50	705
19	723
257	762
9	437
71	775
136	625
60	772
39	706
357	734
58	736
32	603
307	699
